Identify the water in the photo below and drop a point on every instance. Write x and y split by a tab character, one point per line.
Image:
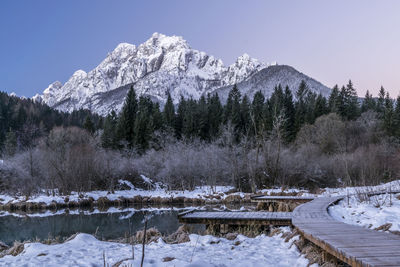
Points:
105	226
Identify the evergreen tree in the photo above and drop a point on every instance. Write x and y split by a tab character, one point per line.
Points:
321	107
290	113
301	106
158	119
215	114
310	107
144	124
380	104
349	106
257	111
202	118
190	126
368	103
180	117
396	117
88	125
245	115
169	113
109	137
235	111
334	101
233	103
388	115
126	123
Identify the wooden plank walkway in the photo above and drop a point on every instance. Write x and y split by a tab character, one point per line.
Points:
237	218
351	244
263	198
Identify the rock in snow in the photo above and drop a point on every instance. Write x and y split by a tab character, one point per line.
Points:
161	64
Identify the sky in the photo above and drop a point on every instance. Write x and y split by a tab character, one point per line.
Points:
331	41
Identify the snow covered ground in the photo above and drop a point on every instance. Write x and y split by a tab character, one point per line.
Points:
371	213
199	192
85	250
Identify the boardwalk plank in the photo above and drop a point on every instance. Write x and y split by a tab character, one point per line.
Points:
354	245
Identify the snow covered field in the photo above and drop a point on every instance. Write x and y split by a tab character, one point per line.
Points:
85	250
372	213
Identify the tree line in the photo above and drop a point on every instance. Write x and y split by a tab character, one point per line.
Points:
23	121
302	139
141	122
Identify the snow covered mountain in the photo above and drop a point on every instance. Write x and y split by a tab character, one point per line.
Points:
162	64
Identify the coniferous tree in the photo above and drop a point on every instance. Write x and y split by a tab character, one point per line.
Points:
257	111
349	106
290	112
388	115
396	117
368	103
144	124
321	107
301	105
109	137
180	117
88	125
126	122
169	112
310	107
202	118
245	115
380	104
233	103
334	100
157	116
235	113
190	123
215	114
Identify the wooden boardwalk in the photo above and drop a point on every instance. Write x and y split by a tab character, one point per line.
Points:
263	198
351	244
237	218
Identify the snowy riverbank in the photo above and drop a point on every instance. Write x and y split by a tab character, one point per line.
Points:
85	250
372	212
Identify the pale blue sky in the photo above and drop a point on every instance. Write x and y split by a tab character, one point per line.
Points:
45	40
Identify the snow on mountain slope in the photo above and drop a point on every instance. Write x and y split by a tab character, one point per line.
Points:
267	78
161	64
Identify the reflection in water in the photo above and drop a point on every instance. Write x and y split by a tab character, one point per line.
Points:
105	225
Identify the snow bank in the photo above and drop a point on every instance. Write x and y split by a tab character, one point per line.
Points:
85	250
199	192
378	210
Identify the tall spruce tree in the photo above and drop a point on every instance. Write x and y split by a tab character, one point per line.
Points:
257	111
182	106
396	117
388	115
368	103
380	103
144	124
109	137
301	105
215	115
290	112
245	115
334	100
126	122
321	107
169	112
202	118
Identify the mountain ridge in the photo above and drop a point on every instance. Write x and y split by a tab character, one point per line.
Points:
163	64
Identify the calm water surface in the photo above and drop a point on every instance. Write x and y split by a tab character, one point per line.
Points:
103	225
